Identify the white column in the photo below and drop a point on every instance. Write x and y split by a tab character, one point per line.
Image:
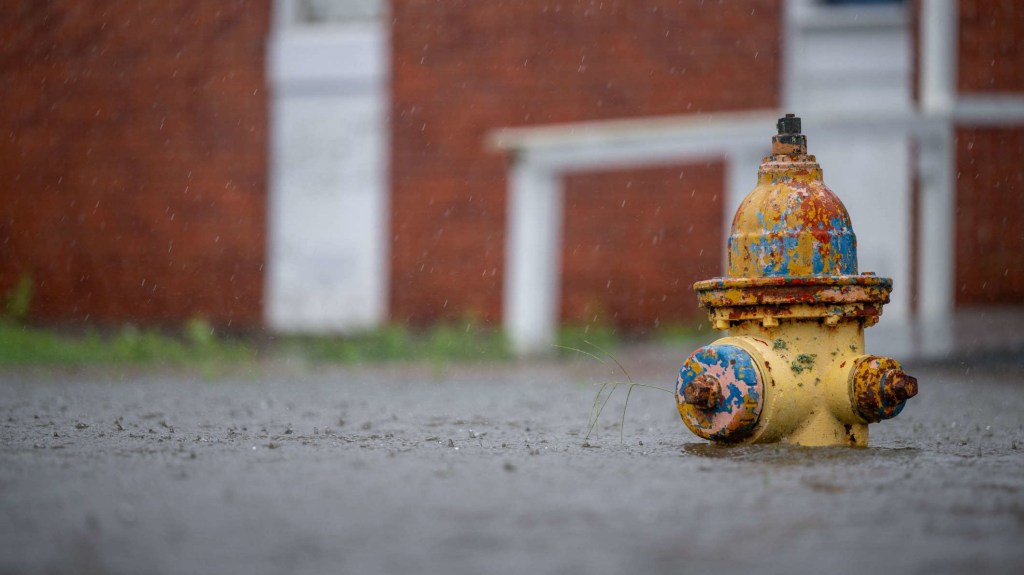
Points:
937	164
938	56
532	257
937	230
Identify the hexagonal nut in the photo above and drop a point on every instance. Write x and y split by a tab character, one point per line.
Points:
703	392
897	386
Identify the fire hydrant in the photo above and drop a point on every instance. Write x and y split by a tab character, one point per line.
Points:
793	367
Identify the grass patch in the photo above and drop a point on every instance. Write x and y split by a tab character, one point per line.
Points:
681	333
451	342
197	343
21	344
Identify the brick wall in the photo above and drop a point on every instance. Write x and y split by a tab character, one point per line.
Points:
991	56
634	243
462	68
133	158
989	205
990	173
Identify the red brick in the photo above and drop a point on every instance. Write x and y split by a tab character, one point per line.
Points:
462	68
636	241
991	57
989	202
133	157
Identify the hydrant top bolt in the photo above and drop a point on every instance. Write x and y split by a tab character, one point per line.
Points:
789	141
789	125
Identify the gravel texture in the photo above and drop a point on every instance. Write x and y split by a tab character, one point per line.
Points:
487	469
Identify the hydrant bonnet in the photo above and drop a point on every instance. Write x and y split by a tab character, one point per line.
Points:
792	224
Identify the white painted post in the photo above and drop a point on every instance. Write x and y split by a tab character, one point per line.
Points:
532	250
937	164
938	56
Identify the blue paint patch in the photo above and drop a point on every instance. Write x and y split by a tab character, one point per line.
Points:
887	409
843	244
777	253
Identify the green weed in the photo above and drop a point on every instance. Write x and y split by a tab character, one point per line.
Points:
601	398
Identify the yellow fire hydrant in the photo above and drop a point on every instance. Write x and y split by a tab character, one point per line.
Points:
793	367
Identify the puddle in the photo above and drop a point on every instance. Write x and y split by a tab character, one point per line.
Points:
783	454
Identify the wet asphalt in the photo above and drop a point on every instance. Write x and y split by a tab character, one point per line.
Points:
290	468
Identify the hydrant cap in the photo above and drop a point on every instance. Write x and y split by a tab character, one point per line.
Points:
720	392
791	224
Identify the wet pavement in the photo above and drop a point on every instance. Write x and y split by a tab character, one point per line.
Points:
486	469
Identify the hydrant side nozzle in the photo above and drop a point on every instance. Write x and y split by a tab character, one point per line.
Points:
720	391
880	387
